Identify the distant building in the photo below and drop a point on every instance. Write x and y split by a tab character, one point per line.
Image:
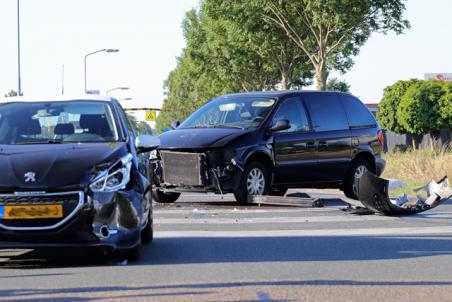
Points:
373	108
446	77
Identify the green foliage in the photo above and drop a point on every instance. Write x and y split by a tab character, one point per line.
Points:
11	93
418	111
141	127
330	32
445	106
387	109
230	48
334	84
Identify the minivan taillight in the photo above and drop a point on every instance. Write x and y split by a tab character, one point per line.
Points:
381	138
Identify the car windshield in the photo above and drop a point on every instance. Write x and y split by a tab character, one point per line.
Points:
227	112
56	122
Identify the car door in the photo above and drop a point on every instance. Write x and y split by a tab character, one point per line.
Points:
294	148
333	137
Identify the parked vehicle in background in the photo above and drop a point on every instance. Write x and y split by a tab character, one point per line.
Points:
266	142
72	176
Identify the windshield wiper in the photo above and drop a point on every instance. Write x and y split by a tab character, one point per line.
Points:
226	126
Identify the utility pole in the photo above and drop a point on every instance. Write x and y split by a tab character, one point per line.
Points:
19	92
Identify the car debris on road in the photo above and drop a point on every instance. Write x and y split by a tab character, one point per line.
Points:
373	193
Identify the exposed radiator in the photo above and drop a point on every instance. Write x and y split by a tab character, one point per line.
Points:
182	168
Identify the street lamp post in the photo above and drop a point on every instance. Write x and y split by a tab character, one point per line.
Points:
19	92
94	52
117	88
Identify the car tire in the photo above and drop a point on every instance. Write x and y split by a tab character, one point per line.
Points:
255	180
162	197
278	191
356	171
147	234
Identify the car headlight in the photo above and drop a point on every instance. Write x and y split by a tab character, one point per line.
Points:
114	178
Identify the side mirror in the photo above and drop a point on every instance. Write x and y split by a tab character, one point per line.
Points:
146	143
280	125
175	124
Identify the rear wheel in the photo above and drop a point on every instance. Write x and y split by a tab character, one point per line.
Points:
357	170
162	197
254	181
278	191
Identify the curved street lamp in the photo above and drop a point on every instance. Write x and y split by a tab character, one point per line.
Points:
117	88
94	52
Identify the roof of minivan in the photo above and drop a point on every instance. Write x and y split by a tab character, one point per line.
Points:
279	94
58	98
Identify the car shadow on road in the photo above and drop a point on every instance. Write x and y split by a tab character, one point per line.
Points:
288	249
203	250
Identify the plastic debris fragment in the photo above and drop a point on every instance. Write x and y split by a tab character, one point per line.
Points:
373	193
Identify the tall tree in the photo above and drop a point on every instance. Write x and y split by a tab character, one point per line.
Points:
330	32
246	35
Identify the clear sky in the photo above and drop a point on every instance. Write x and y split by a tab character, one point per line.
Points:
148	33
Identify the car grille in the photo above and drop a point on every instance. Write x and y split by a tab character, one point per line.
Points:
182	168
70	201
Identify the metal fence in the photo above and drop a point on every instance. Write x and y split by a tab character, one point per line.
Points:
392	140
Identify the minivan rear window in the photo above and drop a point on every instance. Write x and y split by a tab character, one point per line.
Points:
357	113
326	112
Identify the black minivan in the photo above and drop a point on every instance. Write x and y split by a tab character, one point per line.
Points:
266	142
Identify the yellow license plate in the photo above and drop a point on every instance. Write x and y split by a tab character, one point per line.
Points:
32	212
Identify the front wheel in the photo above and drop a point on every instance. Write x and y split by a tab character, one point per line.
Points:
162	197
254	181
356	172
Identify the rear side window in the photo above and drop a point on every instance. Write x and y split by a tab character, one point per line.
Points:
326	112
357	113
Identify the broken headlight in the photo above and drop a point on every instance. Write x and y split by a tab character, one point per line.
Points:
114	178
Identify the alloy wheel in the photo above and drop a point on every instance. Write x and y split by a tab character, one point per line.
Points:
255	182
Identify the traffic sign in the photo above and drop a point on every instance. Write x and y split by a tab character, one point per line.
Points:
151	115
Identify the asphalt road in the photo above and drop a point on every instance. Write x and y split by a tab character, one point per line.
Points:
211	249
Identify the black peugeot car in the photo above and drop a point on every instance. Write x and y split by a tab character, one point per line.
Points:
71	176
266	142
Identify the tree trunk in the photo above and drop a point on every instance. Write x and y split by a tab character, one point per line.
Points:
321	76
284	81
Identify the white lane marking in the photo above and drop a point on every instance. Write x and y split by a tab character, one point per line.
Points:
253	210
308	233
264	220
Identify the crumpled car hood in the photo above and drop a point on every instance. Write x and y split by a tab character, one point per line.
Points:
54	165
199	138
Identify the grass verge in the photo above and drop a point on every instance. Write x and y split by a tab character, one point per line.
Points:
417	168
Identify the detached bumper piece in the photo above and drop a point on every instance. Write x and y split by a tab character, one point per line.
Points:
373	193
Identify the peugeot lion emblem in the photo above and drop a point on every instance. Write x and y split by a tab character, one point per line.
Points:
30	177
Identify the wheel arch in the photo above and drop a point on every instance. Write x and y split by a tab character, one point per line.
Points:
367	156
262	157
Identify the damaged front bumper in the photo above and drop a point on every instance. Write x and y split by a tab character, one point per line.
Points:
106	220
204	171
373	193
